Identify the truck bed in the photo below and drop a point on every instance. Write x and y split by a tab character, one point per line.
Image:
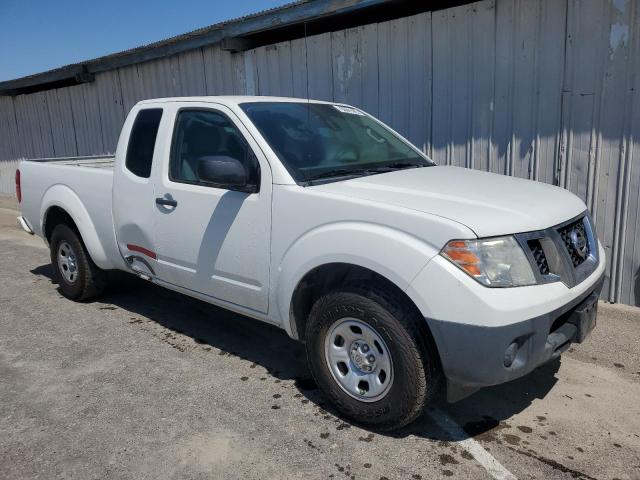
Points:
82	185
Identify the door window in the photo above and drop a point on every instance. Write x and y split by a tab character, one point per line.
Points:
202	134
142	141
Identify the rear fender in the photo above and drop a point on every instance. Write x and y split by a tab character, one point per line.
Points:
63	197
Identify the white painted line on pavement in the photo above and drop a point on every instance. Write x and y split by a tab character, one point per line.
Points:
458	435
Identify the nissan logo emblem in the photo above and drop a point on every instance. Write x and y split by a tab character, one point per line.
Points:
579	242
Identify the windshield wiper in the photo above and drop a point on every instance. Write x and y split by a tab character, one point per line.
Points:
395	166
338	172
347	172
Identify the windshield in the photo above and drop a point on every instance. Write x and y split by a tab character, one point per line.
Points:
322	142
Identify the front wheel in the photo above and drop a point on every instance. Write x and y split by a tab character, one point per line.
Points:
77	276
369	354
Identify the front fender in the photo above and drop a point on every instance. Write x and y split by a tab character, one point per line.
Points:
63	197
396	255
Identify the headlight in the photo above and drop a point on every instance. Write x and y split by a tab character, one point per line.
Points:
494	262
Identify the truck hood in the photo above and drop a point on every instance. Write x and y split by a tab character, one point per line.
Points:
487	203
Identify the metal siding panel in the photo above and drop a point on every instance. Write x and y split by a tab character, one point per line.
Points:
346	52
211	70
110	108
399	66
299	67
268	70
31	122
441	72
24	128
525	88
219	71
41	134
236	73
481	82
160	78
529	57
385	86
6	151
339	69
588	150
370	89
9	148
501	151
86	118
393	64
192	76
630	279
273	72
452	75
605	188
274	69
286	69
7	176
419	92
32	116
620	109
629	285
62	125
320	76
225	72
130	86
585	42
246	73
551	27
461	44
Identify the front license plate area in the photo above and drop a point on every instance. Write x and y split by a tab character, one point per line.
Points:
584	317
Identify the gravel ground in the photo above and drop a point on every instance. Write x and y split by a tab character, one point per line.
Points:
146	383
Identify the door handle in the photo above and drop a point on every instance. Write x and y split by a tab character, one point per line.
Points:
166	202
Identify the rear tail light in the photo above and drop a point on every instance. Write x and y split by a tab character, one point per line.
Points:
18	187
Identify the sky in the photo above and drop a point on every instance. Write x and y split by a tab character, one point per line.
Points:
39	35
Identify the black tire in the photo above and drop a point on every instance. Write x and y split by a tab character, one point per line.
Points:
413	353
89	281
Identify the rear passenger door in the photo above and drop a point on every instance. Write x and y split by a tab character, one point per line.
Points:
211	238
133	188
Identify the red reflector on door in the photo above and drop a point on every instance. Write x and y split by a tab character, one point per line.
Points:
144	251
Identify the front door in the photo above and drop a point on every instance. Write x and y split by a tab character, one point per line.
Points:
211	239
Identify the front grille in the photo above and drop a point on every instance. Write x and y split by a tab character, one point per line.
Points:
539	256
567	252
568	233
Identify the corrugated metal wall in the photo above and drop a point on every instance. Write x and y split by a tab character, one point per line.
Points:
542	89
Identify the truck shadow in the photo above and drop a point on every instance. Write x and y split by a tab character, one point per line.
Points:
282	359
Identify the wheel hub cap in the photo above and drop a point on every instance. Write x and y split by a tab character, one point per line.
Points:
359	359
67	262
361	356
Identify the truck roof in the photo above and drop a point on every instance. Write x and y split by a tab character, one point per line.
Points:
230	99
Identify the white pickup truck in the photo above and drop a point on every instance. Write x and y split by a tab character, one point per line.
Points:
396	273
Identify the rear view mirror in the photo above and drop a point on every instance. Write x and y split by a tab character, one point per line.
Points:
225	172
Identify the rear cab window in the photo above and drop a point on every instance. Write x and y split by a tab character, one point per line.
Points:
142	142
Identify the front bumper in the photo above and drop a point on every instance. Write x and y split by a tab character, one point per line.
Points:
473	356
473	325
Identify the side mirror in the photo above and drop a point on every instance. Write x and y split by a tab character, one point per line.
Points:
223	171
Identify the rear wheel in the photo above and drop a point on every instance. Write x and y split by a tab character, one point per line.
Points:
371	356
77	276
